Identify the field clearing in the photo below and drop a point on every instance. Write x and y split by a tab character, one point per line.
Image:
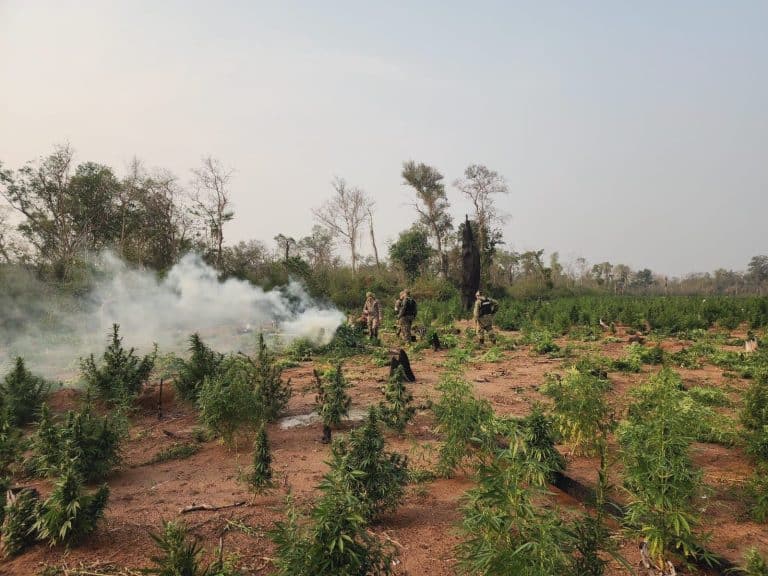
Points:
424	527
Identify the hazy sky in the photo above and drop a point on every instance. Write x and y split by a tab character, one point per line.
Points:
634	132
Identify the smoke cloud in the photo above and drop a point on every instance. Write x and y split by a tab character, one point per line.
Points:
53	331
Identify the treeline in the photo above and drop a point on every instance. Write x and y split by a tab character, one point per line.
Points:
57	212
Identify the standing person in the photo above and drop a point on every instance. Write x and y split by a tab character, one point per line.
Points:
406	314
372	315
485	309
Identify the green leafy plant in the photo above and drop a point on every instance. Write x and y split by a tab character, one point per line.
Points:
377	477
85	440
659	474
21	394
504	531
754	564
203	363
758	492
580	406
10	445
336	541
18	527
397	408
228	400
179	552
272	390
463	420
121	374
537	432
69	515
261	476
332	398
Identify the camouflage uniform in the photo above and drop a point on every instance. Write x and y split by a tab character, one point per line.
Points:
404	318
483	322
372	314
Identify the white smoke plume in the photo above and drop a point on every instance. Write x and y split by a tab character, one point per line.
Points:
53	333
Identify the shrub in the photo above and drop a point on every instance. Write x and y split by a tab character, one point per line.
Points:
18	525
273	392
86	441
755	564
10	446
463	420
179	552
261	476
68	515
332	399
755	412
203	363
121	374
538	436
397	409
336	541
228	400
659	474
758	491
505	533
580	407
377	477
21	394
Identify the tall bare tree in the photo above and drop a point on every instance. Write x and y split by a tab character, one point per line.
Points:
480	185
373	237
433	206
212	202
344	213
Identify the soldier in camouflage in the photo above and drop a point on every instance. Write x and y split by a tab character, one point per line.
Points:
484	311
372	315
405	309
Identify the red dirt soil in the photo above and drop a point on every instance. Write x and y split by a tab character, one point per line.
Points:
423	528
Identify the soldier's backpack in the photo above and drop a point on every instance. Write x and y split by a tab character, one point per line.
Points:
409	307
488	306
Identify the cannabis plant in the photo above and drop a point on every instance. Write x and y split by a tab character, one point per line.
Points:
10	445
504	531
660	476
580	407
397	410
85	440
336	541
377	477
261	476
228	400
754	564
121	373
332	398
18	524
754	416
273	391
21	394
179	552
203	363
463	420
69	515
537	433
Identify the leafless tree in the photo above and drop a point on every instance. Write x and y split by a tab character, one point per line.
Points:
433	210
480	184
211	200
373	237
344	213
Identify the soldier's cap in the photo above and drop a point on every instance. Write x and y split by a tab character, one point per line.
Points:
407	292
369	294
478	294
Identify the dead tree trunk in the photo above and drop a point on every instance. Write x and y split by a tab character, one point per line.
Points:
470	261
